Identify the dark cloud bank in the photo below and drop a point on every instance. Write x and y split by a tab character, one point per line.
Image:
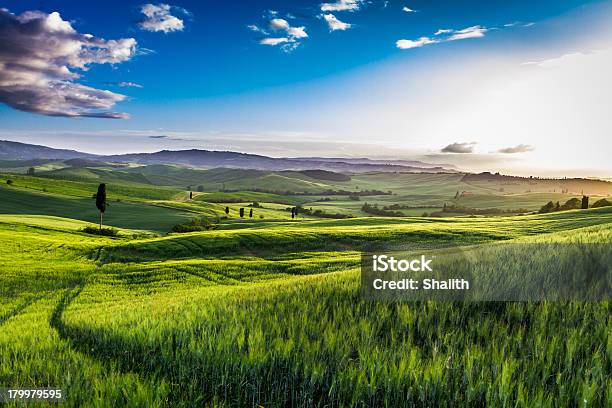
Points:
41	58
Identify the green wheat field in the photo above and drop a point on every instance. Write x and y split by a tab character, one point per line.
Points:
266	310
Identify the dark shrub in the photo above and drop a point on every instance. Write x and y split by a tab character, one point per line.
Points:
548	207
572	204
95	230
601	203
195	225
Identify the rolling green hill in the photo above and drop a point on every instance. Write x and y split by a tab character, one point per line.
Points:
85	187
273	317
139	216
417	192
267	310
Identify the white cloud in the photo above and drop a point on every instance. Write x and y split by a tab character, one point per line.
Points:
408	10
124	84
407	44
335	24
279	24
158	18
40	54
274	40
342	5
287	42
470	32
297	32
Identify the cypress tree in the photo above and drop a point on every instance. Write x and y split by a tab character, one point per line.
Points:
101	201
585	202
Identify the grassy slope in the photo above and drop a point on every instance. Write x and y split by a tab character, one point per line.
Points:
168	320
122	189
351	234
140	216
231	179
247	330
162	182
248	196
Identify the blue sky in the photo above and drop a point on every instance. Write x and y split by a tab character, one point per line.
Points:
210	81
216	54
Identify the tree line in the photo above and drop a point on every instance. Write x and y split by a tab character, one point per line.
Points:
573	204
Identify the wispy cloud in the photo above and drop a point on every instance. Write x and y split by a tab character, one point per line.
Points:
279	24
39	78
459	147
451	35
522	148
124	84
274	40
470	32
158	17
408	10
335	24
342	5
407	44
256	29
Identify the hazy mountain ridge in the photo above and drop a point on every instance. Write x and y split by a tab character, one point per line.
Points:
25	151
211	159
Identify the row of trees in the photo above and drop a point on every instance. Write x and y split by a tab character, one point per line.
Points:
240	212
375	210
573	204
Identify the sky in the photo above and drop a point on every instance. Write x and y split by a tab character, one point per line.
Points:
520	87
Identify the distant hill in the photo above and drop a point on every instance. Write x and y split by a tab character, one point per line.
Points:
516	184
25	151
364	160
325	175
211	159
79	163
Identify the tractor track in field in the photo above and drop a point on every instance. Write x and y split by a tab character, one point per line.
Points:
20	308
